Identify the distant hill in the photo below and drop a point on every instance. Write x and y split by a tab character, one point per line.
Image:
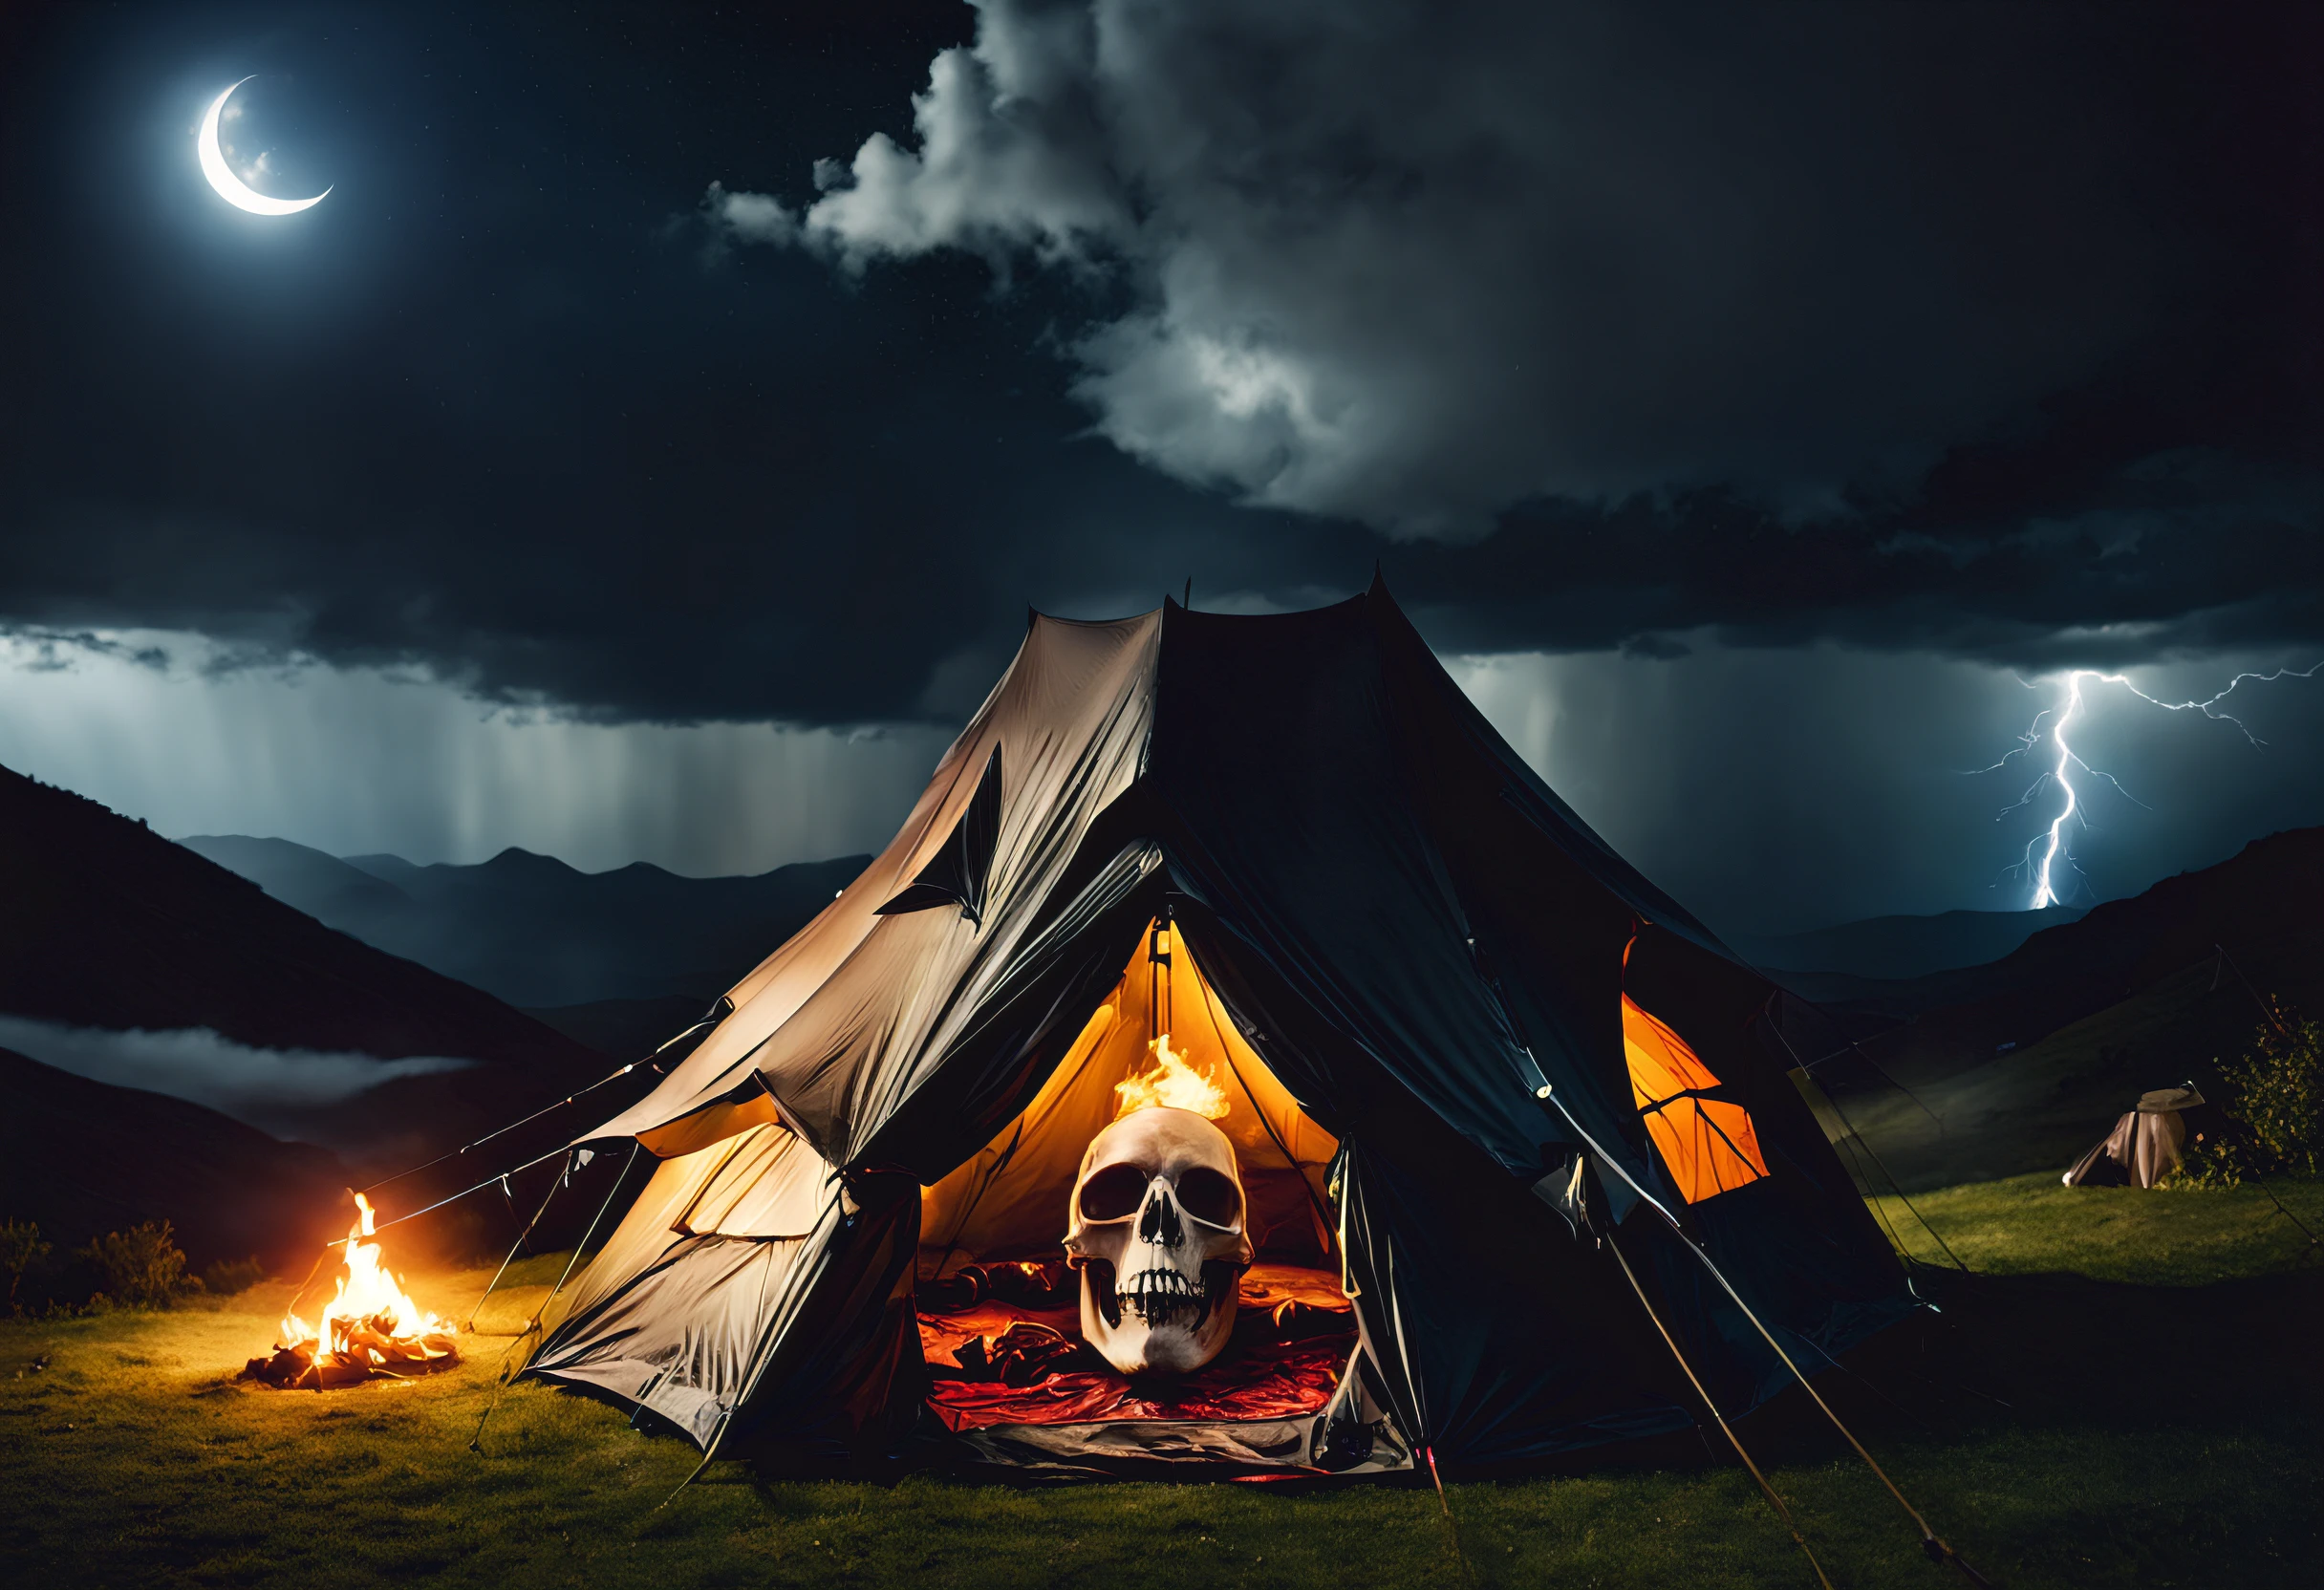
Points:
106	924
1892	947
2038	1052
540	933
83	1158
2262	904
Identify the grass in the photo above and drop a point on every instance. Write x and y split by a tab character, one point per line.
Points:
2153	1354
2034	1225
2045	1103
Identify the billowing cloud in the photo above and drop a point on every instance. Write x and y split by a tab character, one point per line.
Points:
269	1088
1810	334
1413	264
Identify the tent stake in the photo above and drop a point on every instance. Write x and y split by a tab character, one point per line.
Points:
1451	1526
1783	1512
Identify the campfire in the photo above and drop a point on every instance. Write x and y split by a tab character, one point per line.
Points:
371	1328
1173	1083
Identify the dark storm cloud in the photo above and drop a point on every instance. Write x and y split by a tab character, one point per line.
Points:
1985	330
1409	263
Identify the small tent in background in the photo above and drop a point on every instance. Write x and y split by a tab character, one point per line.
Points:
2146	1144
1502	1107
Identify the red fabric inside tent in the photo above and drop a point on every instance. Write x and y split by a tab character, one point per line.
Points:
1293	1335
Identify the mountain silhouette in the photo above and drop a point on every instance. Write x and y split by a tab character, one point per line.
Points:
540	933
111	926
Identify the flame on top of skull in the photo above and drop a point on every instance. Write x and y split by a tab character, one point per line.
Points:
1170	1081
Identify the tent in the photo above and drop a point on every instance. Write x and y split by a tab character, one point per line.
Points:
1507	1114
2147	1142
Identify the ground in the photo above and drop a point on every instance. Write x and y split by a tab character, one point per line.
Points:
2125	1393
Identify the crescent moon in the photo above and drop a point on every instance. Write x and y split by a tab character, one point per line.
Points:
231	188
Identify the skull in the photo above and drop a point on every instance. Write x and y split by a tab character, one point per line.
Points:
1156	1230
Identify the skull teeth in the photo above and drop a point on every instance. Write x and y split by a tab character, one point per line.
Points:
1157	1297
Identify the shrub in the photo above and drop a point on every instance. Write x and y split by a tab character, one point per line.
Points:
140	1267
227	1276
2275	1095
21	1249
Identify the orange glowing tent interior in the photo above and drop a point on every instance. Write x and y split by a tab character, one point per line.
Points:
1010	1200
1707	1145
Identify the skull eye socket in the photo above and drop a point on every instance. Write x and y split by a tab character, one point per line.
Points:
1208	1196
1113	1194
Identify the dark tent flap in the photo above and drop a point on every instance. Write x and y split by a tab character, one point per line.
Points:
1281	783
961	867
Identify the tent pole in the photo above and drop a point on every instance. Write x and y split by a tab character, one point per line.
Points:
1870	1152
718	1013
1932	1545
594	1220
476	1440
554	1188
1766	1490
1849	1042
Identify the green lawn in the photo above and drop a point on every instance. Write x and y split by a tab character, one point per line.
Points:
2034	1225
2128	1396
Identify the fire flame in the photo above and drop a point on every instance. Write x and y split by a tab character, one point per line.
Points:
367	1297
1171	1083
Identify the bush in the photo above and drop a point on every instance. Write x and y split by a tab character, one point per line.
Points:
21	1249
226	1277
2275	1095
140	1267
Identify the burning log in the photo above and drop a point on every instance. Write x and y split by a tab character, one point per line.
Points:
371	1328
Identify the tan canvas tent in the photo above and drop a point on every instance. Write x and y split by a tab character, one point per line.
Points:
1464	1053
2146	1144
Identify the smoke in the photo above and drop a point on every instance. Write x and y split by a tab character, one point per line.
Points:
268	1088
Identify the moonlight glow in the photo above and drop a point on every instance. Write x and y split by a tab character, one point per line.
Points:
231	188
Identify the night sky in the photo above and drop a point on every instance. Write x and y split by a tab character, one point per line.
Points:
652	445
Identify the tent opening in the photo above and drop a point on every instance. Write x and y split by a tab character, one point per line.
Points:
1000	1309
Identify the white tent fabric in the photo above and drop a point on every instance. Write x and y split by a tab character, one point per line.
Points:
1071	717
672	1311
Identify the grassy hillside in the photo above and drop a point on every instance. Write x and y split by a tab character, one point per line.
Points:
2110	1423
2034	1226
2041	1107
82	1158
2260	904
110	925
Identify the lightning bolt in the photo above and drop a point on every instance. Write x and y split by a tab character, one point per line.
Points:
2065	762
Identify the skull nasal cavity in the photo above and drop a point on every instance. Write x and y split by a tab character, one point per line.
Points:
1160	1223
